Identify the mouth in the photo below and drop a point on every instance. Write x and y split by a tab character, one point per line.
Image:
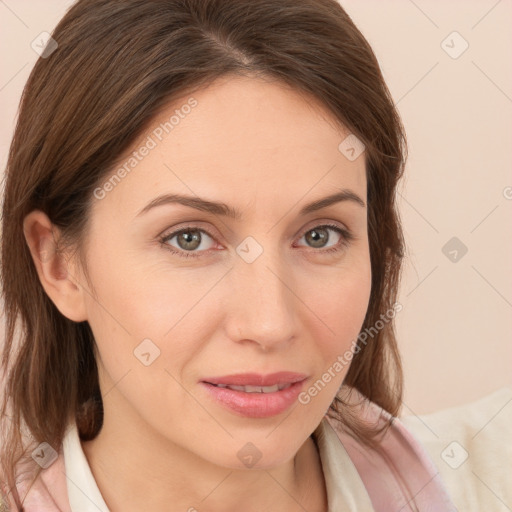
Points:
254	389
257	383
255	396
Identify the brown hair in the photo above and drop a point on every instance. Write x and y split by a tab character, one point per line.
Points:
117	64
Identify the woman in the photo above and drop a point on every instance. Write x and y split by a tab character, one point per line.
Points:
201	241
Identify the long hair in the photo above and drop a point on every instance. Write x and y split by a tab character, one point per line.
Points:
117	64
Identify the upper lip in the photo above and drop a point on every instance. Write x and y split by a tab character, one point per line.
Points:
255	379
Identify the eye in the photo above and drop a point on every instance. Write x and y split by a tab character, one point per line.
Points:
191	242
319	236
187	241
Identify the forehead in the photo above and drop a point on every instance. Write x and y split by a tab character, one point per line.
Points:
248	136
256	114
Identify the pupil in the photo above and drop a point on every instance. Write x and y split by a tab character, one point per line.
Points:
192	239
317	237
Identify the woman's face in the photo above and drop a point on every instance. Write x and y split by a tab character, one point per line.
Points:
267	291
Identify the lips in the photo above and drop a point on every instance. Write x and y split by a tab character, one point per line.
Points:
253	380
256	401
255	389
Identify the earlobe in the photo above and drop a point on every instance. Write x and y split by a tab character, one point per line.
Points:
57	274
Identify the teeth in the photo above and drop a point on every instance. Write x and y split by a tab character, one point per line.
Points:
256	389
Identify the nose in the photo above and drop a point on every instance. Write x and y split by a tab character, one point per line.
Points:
261	308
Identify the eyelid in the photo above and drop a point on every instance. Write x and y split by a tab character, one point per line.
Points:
192	225
197	225
317	223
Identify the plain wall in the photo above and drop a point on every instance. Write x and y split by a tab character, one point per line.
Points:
455	326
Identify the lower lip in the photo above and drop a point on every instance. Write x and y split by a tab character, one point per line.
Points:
255	405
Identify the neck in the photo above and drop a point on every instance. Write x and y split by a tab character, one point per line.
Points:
153	472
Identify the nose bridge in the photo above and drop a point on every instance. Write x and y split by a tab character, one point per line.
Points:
262	305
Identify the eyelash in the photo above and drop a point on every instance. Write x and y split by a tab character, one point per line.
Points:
346	238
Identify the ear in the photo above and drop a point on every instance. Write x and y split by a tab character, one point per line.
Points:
59	277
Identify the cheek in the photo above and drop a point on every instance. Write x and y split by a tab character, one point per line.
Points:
341	306
141	299
341	302
146	323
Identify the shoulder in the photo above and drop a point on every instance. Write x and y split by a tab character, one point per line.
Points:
397	471
41	482
470	445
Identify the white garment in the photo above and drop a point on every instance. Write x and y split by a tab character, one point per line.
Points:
471	445
83	493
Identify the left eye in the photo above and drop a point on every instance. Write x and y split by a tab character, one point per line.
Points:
319	235
189	241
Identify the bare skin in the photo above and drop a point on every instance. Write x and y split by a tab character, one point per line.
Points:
166	445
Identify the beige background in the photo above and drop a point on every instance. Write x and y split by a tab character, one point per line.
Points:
455	326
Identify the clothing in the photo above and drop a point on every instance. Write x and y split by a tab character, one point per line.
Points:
401	478
471	445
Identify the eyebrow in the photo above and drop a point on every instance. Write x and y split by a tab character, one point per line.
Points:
218	208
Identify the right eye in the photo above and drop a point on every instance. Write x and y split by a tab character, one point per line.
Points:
187	241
